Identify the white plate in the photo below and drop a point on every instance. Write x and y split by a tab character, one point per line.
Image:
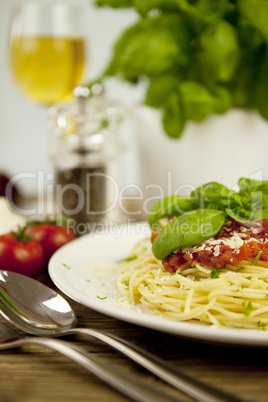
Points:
85	271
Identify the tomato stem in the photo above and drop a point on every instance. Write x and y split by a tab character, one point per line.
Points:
23	233
52	221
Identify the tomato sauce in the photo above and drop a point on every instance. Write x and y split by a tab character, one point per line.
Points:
234	243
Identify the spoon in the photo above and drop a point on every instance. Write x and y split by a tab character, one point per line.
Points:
35	308
136	390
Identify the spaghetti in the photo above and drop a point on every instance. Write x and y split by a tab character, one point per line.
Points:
236	296
208	261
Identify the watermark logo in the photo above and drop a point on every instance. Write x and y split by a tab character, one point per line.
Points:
90	205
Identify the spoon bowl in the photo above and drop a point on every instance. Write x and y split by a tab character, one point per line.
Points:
35	308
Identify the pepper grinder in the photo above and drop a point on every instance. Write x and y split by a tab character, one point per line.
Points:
87	159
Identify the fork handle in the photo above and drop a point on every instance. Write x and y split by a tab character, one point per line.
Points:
196	389
122	382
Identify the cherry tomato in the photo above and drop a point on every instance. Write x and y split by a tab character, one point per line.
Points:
25	257
51	237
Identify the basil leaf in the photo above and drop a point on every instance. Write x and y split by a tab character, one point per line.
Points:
187	230
173	205
239	214
202	10
213	205
256	11
222	99
211	9
160	89
152	47
197	100
254	196
184	6
173	117
216	193
248	186
220	51
256	209
211	191
259	206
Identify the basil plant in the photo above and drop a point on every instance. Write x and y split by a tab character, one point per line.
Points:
199	56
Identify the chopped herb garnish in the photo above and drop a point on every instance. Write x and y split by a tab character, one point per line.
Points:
261	325
244	303
256	259
66	266
249	309
182	309
145	284
102	298
222	324
128	259
249	278
211	259
239	269
215	273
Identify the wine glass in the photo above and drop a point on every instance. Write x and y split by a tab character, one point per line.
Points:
47	48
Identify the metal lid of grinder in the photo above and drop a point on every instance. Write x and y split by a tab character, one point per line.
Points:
89	104
87	123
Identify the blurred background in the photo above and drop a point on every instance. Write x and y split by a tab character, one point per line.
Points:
212	147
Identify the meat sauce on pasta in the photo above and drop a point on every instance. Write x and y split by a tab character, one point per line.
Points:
234	243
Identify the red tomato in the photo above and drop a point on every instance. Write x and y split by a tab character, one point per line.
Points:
154	234
26	258
51	237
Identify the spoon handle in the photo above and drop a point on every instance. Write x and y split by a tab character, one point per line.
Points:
196	389
126	384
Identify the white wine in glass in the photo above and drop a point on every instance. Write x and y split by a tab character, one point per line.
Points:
47	49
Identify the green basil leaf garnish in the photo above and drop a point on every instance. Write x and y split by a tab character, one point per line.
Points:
188	229
207	207
173	205
217	194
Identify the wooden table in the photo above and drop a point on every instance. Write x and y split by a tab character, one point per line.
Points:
36	374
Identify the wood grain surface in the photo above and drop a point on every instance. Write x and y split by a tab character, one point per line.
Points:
36	374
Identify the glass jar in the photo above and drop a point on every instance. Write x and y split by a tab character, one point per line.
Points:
87	158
